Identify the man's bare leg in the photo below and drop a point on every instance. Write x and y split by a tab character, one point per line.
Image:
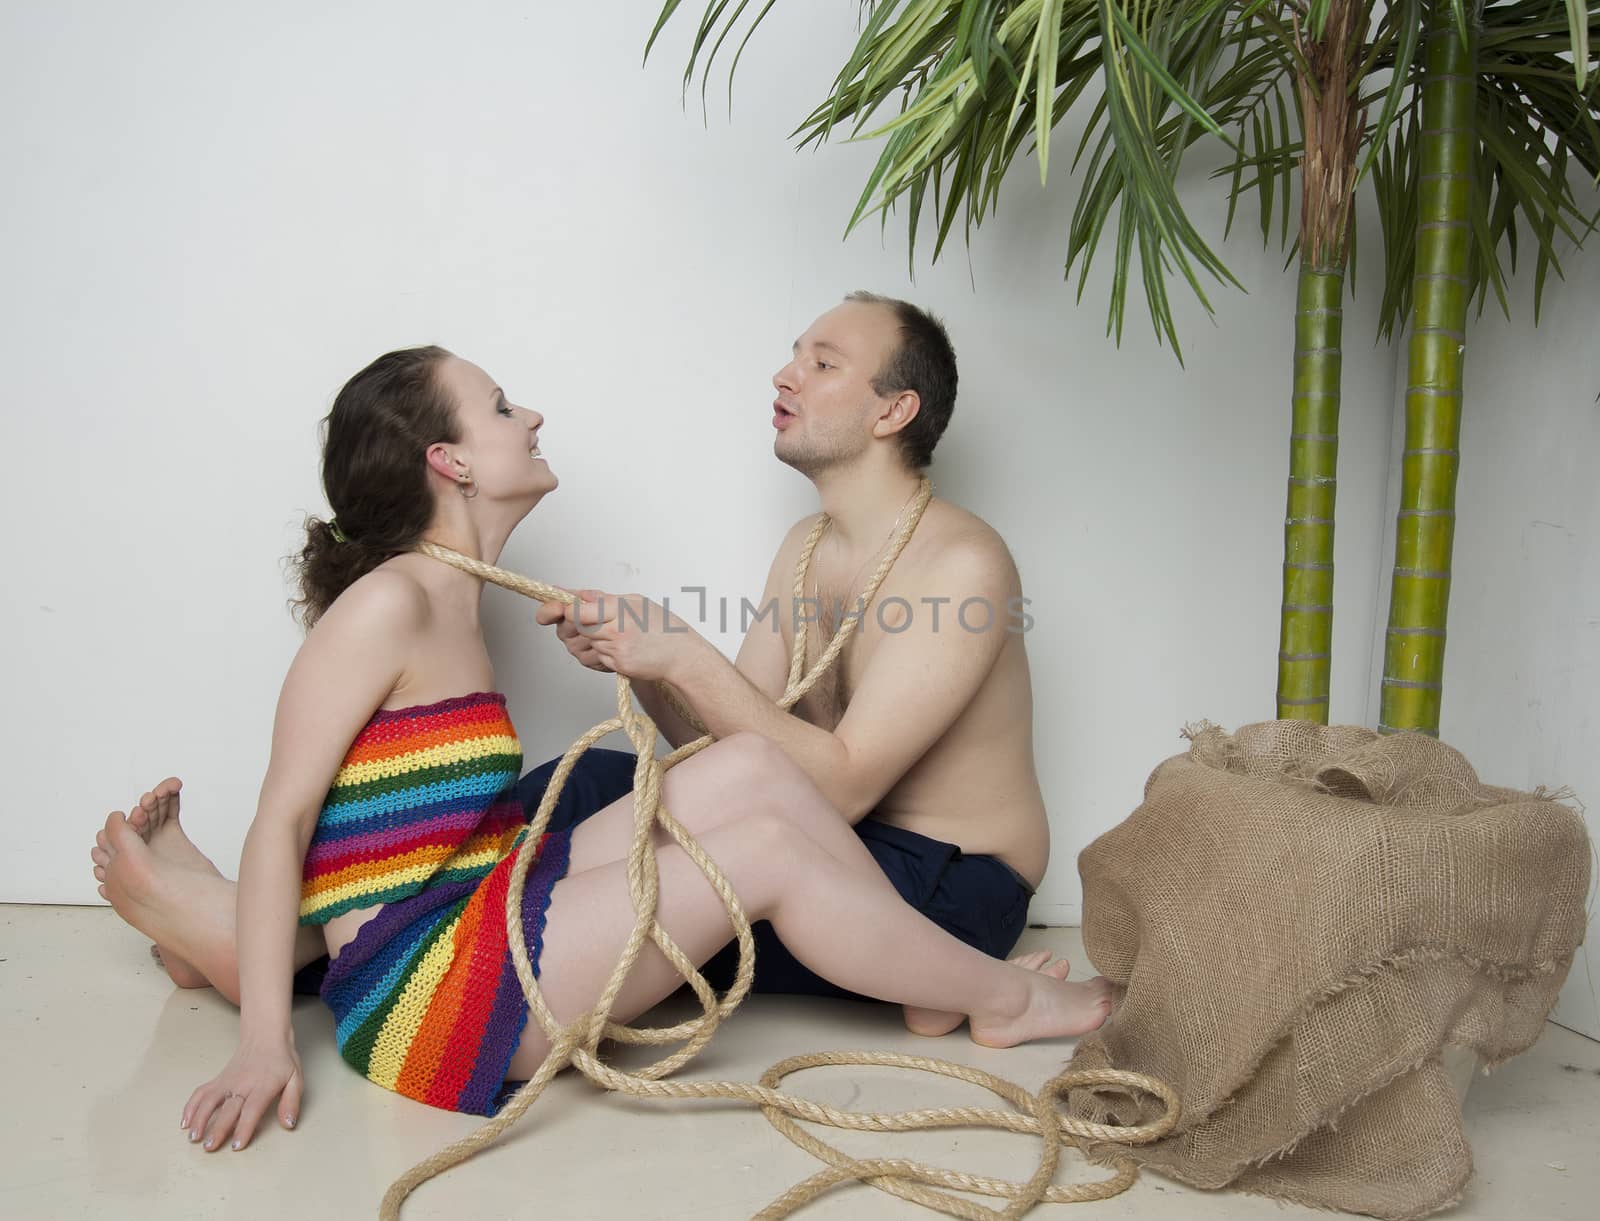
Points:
738	783
846	925
161	883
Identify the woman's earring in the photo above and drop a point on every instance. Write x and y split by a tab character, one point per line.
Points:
466	482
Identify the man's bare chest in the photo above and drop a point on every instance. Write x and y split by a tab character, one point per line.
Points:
831	598
825	704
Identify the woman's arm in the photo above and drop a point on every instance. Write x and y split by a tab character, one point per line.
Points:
349	664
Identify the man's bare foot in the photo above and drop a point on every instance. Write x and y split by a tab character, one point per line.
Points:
934	1023
1055	1009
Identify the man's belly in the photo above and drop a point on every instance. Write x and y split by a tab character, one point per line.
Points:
1016	832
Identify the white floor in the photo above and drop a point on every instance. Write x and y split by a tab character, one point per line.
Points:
100	1052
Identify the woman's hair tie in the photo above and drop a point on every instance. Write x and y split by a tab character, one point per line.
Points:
339	535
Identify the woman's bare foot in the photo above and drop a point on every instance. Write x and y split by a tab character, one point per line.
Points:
934	1023
172	893
180	972
1055	1009
155	808
154	817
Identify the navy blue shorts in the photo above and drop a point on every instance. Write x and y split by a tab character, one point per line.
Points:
978	899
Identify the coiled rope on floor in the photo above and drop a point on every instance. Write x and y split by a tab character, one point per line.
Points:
577	1042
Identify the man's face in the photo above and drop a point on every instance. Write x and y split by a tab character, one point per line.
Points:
826	406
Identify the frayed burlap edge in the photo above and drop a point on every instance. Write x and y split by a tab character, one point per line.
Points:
1371	776
1280	1188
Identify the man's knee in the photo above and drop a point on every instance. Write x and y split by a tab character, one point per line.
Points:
756	764
763	854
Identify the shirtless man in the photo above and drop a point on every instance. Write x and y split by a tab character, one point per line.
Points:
922	734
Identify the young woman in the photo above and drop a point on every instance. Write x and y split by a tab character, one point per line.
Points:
390	813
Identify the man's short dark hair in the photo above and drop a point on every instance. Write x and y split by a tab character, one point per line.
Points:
925	362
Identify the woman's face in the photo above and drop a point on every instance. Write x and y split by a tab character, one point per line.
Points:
499	443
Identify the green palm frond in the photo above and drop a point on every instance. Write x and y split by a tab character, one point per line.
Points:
1257	95
1136	162
1393	178
1528	62
954	90
1537	128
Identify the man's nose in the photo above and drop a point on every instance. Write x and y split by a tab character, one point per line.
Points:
783	379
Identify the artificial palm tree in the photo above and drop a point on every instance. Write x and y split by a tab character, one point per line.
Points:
1508	102
1470	147
969	76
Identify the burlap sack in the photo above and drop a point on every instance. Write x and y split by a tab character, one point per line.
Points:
1303	916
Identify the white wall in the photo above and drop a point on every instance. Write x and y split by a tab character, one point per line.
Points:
214	215
1522	671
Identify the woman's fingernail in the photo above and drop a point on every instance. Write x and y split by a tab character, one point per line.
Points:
194	1136
236	1146
289	1121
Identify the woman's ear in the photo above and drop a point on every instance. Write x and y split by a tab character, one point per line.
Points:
442	459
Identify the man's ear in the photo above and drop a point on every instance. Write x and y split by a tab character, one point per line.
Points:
902	409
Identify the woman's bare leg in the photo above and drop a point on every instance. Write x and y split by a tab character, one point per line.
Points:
850	928
172	893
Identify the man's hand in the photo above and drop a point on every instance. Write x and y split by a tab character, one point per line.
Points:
627	634
578	644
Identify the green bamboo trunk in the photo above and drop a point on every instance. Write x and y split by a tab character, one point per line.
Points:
1419	599
1305	639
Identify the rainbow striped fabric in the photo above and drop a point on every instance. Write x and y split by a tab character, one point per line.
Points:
421	818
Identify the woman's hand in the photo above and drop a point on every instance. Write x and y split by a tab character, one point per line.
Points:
232	1103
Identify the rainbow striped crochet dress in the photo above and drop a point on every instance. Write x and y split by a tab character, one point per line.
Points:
422	818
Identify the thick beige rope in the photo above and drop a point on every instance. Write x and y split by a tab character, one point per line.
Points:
578	1042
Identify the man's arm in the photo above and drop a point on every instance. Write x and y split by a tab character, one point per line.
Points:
672	727
918	682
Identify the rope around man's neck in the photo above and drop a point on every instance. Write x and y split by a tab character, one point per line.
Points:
577	1042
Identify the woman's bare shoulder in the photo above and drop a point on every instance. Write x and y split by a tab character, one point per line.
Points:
389	599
